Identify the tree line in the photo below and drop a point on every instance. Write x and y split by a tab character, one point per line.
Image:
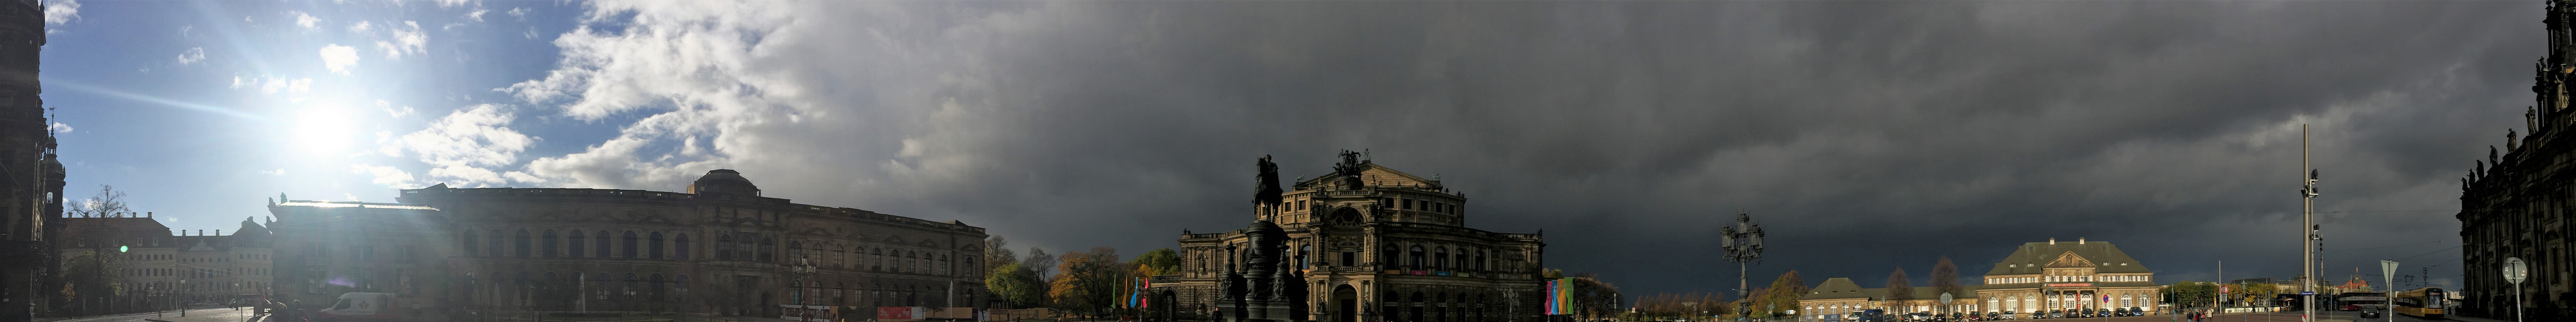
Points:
1095	282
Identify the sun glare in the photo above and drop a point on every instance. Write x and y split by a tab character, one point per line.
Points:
324	131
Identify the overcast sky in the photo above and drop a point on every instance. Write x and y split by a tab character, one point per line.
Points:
1864	136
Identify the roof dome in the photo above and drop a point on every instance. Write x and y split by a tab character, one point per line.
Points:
724	181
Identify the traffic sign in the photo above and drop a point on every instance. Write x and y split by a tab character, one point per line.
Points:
2388	271
2515	270
2308	293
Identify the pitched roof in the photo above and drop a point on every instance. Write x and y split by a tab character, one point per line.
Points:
2104	257
1836	288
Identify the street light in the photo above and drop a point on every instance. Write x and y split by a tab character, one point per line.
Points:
1744	245
803	270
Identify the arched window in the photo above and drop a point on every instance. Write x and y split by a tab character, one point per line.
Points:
724	247
473	241
600	244
631	287
1461	263
495	248
681	286
837	255
576	240
1440	258
657	288
548	241
522	245
1386	256
656	241
1416	262
630	244
768	250
681	249
1480	260
876	261
795	248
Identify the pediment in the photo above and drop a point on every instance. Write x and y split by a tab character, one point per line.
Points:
817	231
893	240
2069	259
926	242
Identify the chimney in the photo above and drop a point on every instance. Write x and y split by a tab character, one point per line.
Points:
219	232
2052	240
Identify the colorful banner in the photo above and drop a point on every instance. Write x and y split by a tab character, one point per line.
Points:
899	312
1560	296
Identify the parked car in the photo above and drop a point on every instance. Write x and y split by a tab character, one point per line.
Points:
2370	313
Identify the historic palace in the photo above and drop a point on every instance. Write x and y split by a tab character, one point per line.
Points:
2037	277
1362	243
720	249
2516	204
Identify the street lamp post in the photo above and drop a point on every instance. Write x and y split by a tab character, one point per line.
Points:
1743	243
2307	214
803	270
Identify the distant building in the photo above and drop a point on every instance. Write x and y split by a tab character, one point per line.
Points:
2038	276
148	265
720	249
2515	204
1369	243
31	180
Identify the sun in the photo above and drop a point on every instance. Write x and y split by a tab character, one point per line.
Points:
324	131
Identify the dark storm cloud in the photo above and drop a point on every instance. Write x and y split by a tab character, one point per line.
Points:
1865	136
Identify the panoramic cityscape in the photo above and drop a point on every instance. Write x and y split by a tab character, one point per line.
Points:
1237	161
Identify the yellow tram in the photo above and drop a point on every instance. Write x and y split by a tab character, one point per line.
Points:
2422	303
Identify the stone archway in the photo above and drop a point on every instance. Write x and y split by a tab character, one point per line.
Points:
1346	304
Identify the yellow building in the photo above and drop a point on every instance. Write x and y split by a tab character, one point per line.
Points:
2036	277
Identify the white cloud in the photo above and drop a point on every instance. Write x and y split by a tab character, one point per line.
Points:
386	176
339	58
361	27
183	30
477	15
306	20
406	110
462	144
522	13
278	172
192	56
61	11
59	127
452	3
407	40
237	82
275	85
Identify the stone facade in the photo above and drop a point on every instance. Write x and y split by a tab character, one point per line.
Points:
1374	244
2517	204
720	249
2039	276
31	180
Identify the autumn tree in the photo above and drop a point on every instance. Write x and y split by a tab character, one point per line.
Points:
1160	261
1090	282
1899	290
91	279
1945	279
1785	293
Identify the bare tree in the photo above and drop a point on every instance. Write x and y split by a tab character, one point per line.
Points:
1899	290
1042	264
997	252
108	203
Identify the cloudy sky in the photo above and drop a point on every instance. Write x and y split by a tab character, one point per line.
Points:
1864	136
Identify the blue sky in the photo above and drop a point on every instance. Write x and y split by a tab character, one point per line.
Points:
1866	136
199	110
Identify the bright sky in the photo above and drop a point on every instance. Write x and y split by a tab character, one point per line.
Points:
200	110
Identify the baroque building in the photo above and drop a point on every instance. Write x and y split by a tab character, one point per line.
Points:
1362	243
147	265
2037	277
2516	202
719	249
31	180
